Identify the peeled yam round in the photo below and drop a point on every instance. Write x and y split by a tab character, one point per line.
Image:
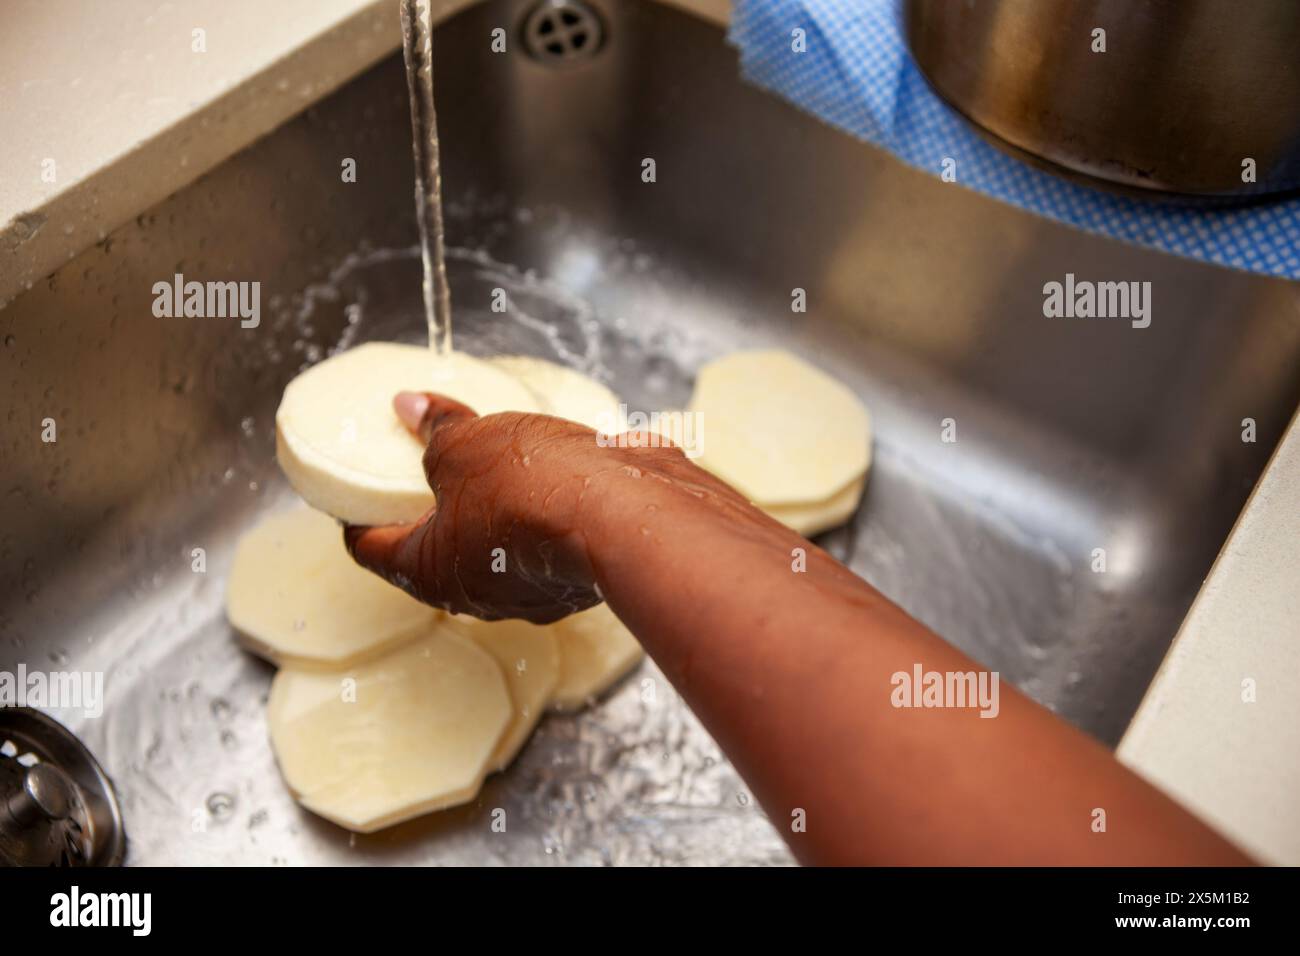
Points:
779	430
393	738
565	392
295	596
342	446
596	649
813	519
529	658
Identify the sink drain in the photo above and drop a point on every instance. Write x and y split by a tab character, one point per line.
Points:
57	808
562	31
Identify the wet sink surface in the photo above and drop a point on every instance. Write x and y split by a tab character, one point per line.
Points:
1072	435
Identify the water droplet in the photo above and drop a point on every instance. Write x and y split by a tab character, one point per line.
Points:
221	805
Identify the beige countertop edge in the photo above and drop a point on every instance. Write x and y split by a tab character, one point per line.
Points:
212	116
122	168
1237	763
1219	727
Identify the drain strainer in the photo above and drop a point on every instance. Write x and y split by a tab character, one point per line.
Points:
57	807
562	31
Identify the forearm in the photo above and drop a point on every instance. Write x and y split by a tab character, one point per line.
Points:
788	663
785	655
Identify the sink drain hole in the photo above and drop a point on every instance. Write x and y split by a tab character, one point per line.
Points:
57	807
562	31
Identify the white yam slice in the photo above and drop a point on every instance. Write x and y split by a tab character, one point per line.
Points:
596	649
296	597
813	519
565	392
393	738
529	658
342	446
779	430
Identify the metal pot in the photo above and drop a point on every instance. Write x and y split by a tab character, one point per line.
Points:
1170	95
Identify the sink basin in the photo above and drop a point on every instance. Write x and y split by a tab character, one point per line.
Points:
1072	435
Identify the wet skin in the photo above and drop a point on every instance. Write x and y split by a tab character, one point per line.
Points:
784	654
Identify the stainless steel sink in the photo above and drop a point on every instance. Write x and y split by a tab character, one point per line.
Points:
1072	435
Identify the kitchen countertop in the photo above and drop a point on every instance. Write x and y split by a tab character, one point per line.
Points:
149	114
108	108
1219	728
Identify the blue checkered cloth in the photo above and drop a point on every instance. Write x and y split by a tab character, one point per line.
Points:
857	74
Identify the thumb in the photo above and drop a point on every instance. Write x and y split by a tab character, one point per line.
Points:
398	553
425	412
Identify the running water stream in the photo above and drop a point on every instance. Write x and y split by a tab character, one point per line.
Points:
417	44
